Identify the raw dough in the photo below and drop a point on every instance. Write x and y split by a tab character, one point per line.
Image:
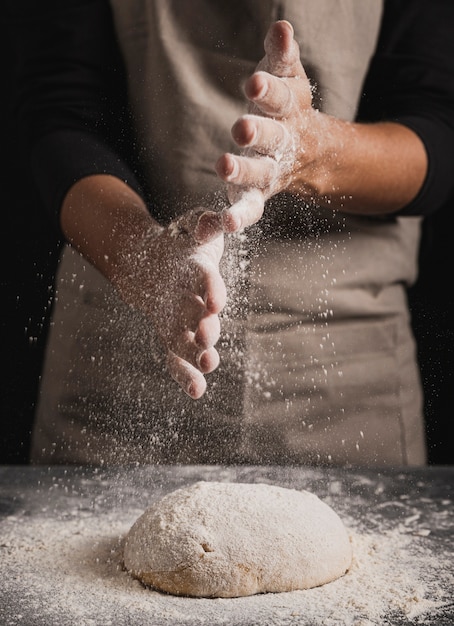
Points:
216	539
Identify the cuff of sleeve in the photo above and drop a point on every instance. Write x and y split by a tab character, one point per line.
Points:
63	157
438	186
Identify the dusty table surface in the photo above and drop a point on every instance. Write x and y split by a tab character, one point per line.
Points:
61	532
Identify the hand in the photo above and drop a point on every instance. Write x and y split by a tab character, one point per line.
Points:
370	169
171	274
175	280
279	136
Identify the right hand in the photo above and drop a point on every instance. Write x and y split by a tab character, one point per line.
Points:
171	274
175	280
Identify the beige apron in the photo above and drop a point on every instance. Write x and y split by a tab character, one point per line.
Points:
317	357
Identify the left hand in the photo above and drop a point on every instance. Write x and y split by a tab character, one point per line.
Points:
173	277
288	145
280	137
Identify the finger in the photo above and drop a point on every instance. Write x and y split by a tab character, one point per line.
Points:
208	360
245	171
282	56
201	225
215	293
208	227
208	283
266	136
208	332
194	330
192	309
247	208
271	95
190	379
184	347
201	355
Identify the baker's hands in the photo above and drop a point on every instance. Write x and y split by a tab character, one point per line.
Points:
174	279
281	137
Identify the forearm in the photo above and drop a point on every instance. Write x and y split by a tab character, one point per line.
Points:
104	219
364	168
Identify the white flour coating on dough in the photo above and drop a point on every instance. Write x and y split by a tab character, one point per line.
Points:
225	540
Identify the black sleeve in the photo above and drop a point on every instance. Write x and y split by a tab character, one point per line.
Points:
411	81
70	106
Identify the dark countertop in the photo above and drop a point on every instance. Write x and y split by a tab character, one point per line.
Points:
61	531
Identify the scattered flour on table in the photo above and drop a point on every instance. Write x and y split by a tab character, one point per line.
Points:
69	571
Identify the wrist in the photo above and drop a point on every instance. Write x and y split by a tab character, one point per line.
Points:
320	172
104	220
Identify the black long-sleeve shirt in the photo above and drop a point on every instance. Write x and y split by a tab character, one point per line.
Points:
71	101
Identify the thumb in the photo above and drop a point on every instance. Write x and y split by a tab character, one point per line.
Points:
246	209
200	224
282	55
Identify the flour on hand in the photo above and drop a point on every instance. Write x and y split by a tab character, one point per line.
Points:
224	540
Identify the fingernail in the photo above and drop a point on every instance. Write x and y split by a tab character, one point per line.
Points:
191	389
199	361
287	25
208	225
234	169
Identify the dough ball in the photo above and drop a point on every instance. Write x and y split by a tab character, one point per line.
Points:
224	540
